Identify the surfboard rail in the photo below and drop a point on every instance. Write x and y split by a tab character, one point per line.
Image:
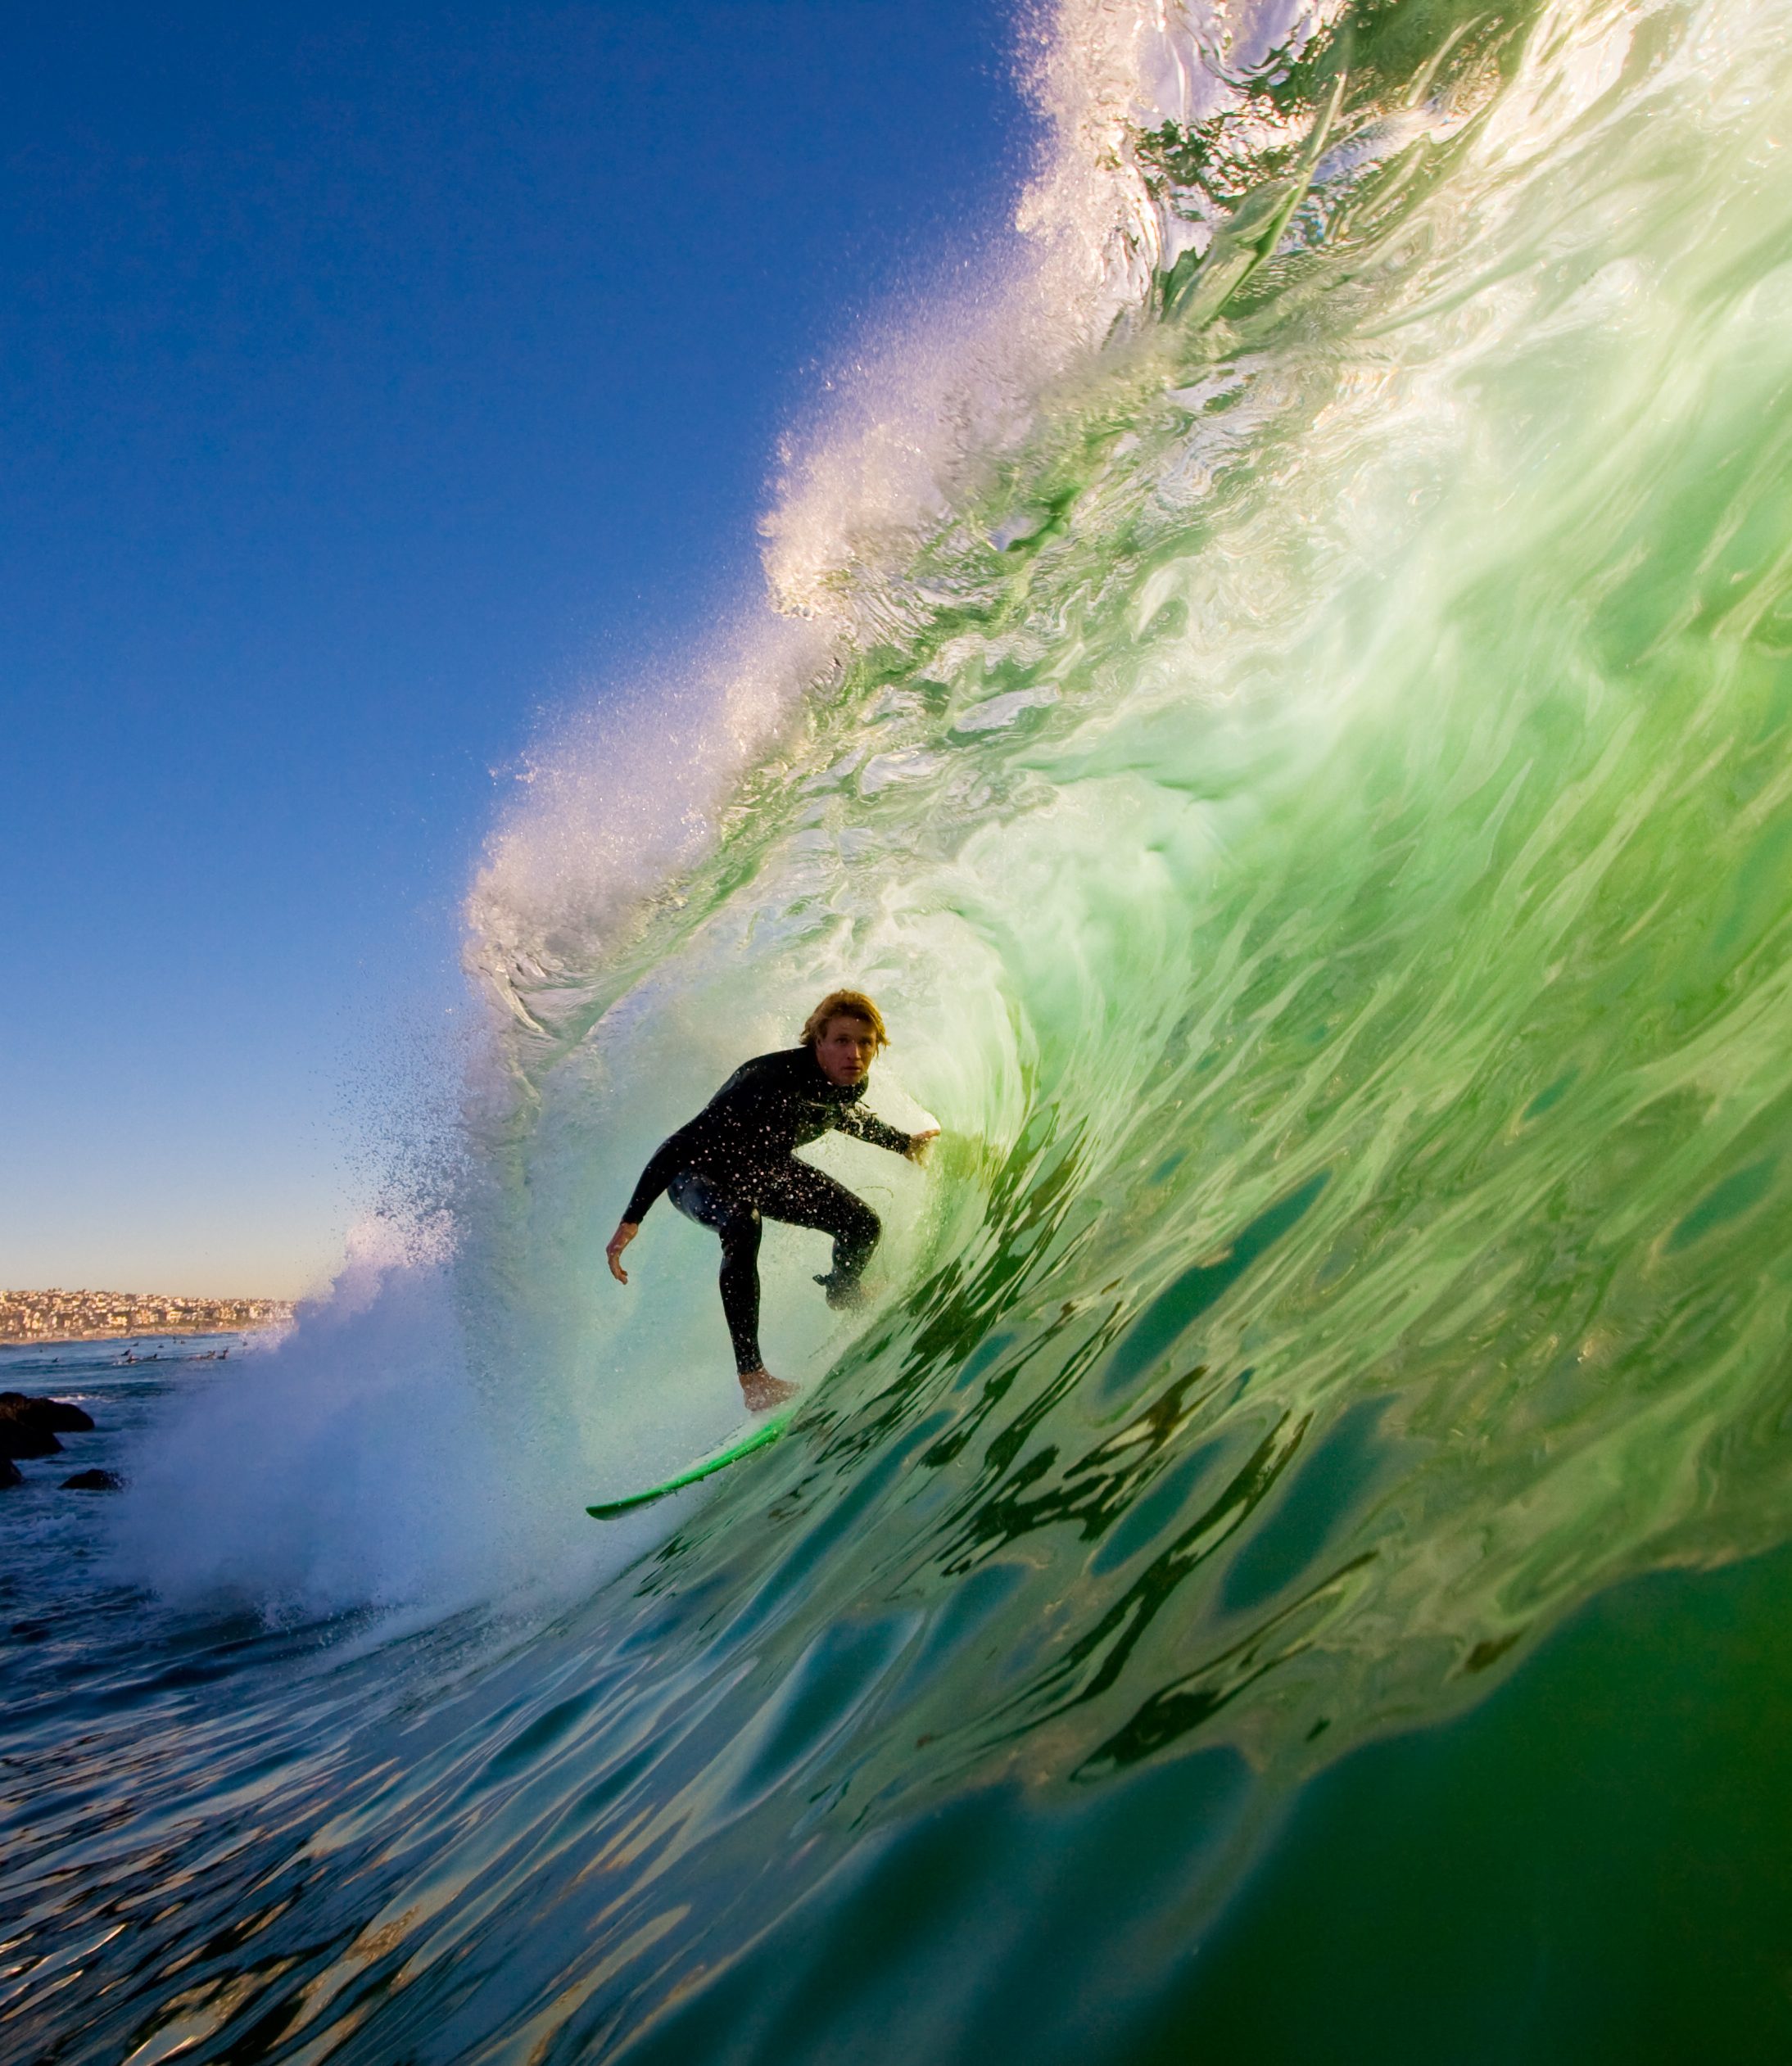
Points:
757	1438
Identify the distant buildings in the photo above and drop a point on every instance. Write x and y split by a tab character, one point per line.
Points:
99	1316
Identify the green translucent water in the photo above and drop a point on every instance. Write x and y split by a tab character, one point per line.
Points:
1292	1567
1330	880
1320	818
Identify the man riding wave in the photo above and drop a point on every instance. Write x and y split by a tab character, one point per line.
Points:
732	1167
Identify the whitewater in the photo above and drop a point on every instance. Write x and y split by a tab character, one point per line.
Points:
1279	683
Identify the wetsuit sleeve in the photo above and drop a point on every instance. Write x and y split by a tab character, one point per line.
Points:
868	1126
663	1165
702	1134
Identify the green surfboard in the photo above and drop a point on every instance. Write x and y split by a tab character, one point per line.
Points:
768	1432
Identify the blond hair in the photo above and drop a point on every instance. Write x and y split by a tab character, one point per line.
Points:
844	1004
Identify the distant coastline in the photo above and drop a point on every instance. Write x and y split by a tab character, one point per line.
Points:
48	1319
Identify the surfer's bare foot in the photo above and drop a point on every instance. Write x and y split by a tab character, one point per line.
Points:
761	1390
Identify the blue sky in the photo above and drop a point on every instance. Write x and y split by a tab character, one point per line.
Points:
376	381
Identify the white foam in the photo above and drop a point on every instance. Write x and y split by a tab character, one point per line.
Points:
356	1461
903	430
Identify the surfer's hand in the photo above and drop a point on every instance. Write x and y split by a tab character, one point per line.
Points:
618	1242
919	1144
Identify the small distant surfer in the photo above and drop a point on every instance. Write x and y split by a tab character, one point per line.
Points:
732	1167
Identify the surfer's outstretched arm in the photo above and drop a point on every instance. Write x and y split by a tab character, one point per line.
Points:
663	1165
867	1126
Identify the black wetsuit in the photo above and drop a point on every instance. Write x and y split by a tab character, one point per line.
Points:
732	1165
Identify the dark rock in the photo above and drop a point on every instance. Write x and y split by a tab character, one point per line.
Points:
10	1473
93	1482
61	1416
21	1437
29	1426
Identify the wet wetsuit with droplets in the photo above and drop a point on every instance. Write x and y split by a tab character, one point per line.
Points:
732	1166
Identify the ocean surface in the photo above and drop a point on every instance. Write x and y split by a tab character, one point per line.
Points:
1281	684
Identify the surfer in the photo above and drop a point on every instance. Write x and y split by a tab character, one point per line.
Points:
732	1168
